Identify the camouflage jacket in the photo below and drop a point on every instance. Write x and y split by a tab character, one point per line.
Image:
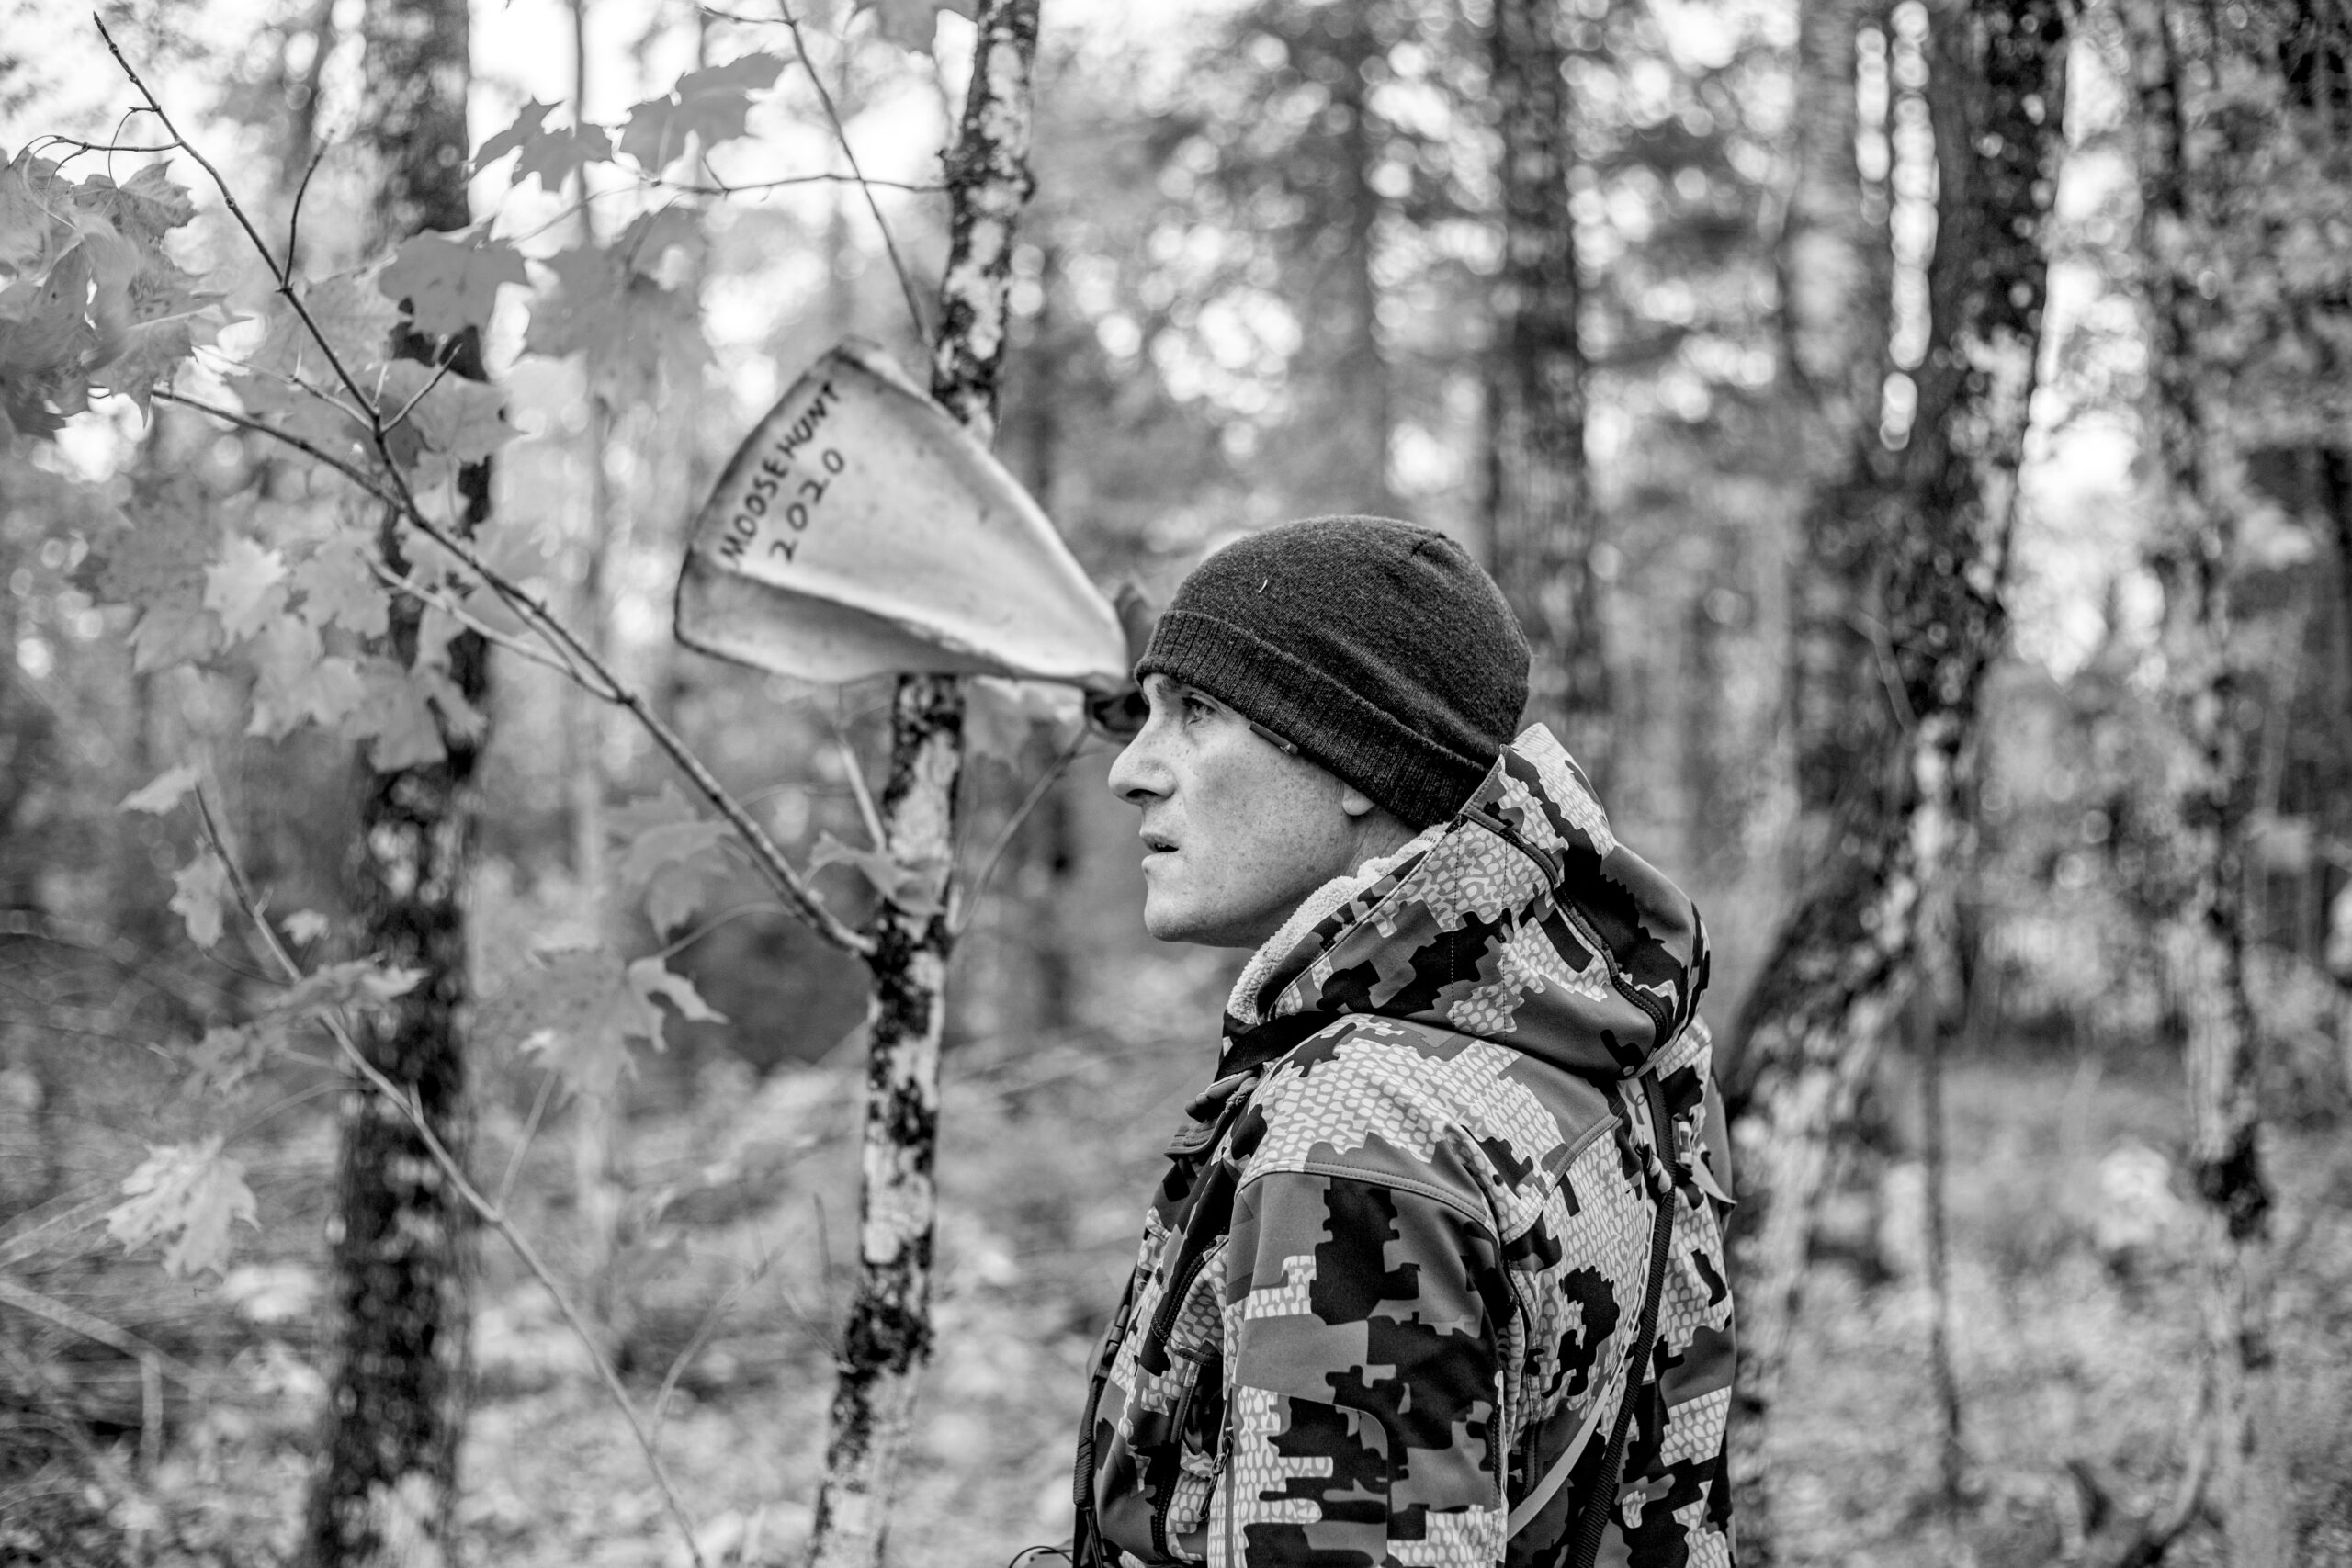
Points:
1395	1268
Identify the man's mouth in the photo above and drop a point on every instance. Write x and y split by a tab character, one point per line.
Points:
1157	844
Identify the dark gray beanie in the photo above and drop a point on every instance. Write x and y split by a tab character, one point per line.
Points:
1379	649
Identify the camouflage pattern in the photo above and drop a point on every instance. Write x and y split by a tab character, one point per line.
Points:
1398	1260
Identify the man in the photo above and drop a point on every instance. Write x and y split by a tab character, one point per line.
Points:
1447	1186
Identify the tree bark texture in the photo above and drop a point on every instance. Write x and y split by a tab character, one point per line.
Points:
1540	519
1938	529
1836	269
401	1234
2184	173
888	1337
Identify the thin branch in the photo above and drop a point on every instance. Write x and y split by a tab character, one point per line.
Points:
294	219
489	1214
874	834
311	449
712	1317
440	371
840	134
730	187
757	906
457	612
522	1146
966	902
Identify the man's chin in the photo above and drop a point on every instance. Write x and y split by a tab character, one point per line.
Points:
1170	921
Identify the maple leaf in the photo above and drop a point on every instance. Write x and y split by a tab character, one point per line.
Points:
915	889
46	338
394	719
671	862
245	587
176	632
338	589
652	235
144	208
454	422
577	1008
200	889
186	1196
164	791
449	282
710	104
353	316
912	24
29	227
648	979
361	983
229	1054
554	156
296	680
530	123
304	414
1002	714
630	328
159	565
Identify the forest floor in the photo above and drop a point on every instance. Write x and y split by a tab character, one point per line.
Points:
2073	1301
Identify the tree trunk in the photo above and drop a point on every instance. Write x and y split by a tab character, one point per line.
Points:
1542	522
1837	283
2185	432
1361	469
396	1402
1937	533
888	1336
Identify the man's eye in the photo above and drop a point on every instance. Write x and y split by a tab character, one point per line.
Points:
1196	708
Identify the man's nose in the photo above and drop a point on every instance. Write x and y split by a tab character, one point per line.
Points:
1138	776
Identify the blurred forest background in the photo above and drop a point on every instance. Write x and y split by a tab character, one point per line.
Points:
1943	573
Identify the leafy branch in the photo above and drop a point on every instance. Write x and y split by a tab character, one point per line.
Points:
390	484
491	1215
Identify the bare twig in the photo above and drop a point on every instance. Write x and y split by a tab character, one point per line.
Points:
294	219
756	907
840	134
732	187
523	1145
865	794
712	1317
489	1215
960	914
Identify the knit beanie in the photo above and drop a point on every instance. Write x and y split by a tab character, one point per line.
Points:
1378	650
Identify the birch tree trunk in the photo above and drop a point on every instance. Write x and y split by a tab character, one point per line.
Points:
1541	518
599	1129
1937	539
2203	942
401	1234
888	1336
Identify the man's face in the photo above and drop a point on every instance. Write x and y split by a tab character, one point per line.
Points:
1236	830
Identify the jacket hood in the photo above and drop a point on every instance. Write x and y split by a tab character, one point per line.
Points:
1521	920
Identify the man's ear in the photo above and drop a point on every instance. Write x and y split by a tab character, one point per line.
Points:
1353	801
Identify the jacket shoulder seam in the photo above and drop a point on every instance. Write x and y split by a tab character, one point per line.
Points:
1474	1210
